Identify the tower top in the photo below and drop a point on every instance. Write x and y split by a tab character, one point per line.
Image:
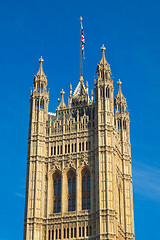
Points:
103	59
40	71
120	94
103	64
62	104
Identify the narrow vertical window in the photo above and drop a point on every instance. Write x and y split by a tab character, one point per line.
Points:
54	150
71	191
49	235
75	232
68	148
86	145
86	189
67	232
64	233
87	231
59	233
57	193
83	232
51	151
56	234
107	92
61	149
80	147
71	232
72	147
79	231
58	150
75	147
52	234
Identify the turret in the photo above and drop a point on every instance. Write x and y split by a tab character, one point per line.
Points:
121	113
35	190
104	90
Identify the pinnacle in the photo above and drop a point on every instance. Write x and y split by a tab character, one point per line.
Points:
40	71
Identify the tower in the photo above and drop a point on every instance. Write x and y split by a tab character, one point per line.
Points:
79	180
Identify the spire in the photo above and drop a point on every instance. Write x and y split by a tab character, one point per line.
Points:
62	103
40	79
40	71
120	100
103	59
103	68
120	94
119	86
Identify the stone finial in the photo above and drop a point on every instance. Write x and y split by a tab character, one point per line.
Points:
119	82
40	71
103	59
62	92
81	78
119	85
62	103
103	49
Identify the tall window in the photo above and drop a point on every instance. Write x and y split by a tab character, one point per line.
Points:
57	192
86	190
71	191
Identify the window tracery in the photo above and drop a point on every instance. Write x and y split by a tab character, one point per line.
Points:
71	191
57	193
86	189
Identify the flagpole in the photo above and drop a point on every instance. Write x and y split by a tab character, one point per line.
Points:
81	46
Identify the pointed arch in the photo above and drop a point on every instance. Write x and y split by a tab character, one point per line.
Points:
86	189
71	179
56	192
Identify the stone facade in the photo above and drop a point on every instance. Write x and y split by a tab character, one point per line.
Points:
79	178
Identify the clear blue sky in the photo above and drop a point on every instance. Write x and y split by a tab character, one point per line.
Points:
130	31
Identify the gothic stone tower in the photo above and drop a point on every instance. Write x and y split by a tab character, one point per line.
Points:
79	180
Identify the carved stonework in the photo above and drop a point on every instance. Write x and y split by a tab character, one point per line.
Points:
79	162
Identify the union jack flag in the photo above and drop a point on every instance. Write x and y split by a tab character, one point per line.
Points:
82	40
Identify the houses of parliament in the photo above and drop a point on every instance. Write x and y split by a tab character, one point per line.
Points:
79	176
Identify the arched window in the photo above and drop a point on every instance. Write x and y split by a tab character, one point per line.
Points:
71	191
107	92
86	190
57	192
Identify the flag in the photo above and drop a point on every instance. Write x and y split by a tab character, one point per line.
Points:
82	40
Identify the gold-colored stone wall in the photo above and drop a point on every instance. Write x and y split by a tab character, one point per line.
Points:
87	134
